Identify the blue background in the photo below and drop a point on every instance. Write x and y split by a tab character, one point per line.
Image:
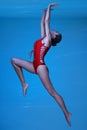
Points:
67	63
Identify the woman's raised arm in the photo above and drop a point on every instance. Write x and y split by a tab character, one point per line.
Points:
47	18
43	33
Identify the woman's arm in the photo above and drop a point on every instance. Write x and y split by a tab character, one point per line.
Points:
47	19
43	33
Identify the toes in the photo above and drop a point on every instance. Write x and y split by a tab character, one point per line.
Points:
25	89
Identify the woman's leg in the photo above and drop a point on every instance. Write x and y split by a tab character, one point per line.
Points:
18	64
44	76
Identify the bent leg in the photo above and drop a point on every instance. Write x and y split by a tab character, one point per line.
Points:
18	64
44	76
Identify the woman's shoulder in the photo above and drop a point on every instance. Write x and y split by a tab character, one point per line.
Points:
46	41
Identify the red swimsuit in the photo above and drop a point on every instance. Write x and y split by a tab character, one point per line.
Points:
40	51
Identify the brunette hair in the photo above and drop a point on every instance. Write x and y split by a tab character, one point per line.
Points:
56	40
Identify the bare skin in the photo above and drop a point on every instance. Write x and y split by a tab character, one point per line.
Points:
42	70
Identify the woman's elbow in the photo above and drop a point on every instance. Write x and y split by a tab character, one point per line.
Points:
47	21
42	22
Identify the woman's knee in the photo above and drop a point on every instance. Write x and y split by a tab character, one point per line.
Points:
13	60
52	92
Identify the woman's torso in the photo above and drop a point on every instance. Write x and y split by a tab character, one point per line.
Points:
40	50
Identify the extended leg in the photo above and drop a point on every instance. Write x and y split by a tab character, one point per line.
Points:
18	64
43	74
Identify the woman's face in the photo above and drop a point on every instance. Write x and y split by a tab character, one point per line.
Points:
54	33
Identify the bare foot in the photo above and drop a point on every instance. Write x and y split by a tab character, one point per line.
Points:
68	116
24	87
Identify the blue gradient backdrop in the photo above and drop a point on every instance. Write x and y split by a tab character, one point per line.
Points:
19	28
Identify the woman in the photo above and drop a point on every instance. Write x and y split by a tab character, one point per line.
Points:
49	38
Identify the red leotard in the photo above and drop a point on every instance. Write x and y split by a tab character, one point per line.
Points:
40	51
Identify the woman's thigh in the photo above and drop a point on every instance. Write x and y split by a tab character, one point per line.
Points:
43	73
24	64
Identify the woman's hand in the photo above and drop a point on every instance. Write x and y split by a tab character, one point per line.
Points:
52	4
30	53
